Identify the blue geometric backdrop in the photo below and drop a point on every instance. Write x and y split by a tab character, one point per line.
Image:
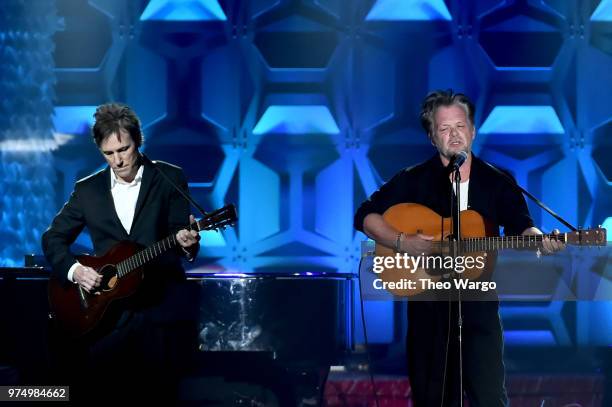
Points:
297	110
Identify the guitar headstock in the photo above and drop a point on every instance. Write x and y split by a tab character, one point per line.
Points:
587	237
219	219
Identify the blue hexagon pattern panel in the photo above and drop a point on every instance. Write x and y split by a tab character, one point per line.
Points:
297	110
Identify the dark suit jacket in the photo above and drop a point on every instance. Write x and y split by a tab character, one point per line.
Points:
160	211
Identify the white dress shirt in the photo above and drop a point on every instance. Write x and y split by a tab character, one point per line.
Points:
125	196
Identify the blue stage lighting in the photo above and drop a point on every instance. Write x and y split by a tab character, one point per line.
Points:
73	119
608	226
603	12
183	10
529	338
296	120
522	120
409	10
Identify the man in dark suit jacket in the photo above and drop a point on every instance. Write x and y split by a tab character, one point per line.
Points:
129	200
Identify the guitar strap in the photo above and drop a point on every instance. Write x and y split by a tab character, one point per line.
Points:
533	198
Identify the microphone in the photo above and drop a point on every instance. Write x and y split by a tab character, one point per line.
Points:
457	161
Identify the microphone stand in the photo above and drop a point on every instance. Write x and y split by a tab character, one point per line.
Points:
456	217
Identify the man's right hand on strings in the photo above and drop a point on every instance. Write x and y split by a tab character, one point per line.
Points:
87	277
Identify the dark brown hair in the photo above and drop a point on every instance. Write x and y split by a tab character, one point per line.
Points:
113	117
443	98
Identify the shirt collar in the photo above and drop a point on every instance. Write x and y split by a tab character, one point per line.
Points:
135	181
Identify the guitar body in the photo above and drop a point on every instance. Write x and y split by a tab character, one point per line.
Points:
412	218
78	312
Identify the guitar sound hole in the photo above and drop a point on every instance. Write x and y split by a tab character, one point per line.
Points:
109	277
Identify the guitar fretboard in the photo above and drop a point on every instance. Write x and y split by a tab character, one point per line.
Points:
213	220
504	242
144	256
150	253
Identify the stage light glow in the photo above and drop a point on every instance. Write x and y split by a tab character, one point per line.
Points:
522	120
212	238
608	226
28	144
73	119
409	10
308	119
183	10
603	12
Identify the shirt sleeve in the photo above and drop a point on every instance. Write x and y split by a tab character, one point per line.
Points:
178	215
513	210
72	270
64	229
395	191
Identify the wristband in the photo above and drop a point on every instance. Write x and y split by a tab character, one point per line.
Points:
398	241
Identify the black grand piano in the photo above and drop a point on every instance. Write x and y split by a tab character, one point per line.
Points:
295	325
263	339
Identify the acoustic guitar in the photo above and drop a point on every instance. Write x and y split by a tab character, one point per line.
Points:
78	312
479	238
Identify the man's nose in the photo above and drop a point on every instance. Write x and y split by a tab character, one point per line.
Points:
116	159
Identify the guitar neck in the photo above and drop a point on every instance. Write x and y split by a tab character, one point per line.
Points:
146	255
581	237
218	219
507	242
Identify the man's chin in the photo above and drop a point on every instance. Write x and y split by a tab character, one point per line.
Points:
456	150
122	172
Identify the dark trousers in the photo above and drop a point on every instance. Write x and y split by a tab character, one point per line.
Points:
433	358
142	357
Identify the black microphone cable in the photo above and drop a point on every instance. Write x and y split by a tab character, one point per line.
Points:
184	194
